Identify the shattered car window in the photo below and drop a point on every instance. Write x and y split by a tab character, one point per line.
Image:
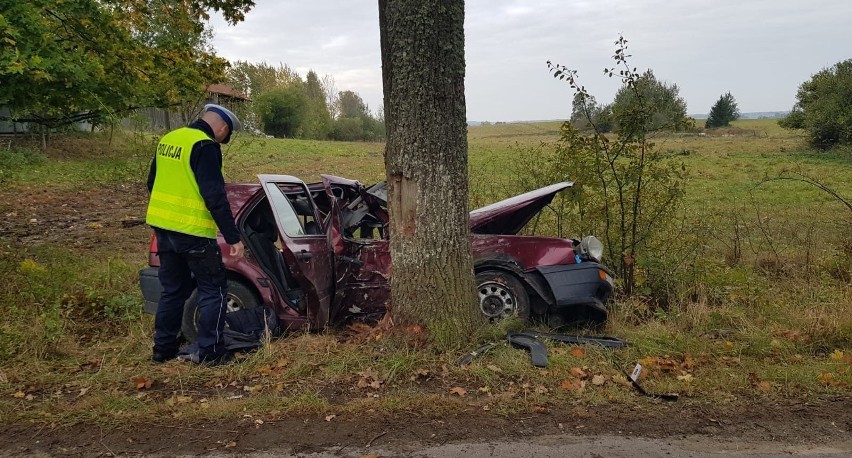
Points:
287	217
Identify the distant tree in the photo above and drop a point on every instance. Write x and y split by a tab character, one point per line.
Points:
723	112
255	79
348	130
587	115
646	105
330	89
317	124
281	111
354	120
351	105
822	107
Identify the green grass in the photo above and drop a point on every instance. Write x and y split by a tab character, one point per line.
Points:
765	291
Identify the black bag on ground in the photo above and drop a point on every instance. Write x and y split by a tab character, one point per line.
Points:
245	329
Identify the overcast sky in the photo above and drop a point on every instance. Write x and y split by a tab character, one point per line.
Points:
760	50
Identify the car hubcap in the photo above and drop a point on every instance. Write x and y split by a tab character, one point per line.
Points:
233	303
496	300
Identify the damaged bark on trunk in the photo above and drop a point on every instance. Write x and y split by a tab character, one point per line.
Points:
426	161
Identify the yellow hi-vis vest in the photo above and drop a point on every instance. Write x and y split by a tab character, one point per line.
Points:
176	203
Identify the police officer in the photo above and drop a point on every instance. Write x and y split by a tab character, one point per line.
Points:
188	203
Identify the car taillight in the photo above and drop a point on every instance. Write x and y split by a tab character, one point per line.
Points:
153	259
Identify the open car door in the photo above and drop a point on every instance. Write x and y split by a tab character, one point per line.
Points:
361	263
303	243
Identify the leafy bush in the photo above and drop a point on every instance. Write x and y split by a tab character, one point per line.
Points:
16	159
625	192
282	111
822	107
645	104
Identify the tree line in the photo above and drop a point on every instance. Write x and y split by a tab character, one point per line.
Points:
283	104
664	108
822	109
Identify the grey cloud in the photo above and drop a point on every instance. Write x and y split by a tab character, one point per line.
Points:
761	50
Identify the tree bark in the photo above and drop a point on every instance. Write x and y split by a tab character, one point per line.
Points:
423	70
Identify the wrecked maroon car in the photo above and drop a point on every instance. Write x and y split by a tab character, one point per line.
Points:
319	255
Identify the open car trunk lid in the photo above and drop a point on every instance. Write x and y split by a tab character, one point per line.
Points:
509	216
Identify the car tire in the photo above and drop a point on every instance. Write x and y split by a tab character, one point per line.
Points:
501	295
239	297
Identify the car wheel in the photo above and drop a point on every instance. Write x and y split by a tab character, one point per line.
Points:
239	297
501	295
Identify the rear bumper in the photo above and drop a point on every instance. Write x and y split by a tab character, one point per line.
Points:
149	283
579	286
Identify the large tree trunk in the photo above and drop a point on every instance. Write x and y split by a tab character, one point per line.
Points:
426	161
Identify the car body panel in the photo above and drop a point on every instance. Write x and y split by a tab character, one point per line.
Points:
510	215
307	255
345	271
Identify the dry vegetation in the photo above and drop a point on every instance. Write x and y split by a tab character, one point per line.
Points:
758	303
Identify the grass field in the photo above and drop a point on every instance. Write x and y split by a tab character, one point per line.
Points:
761	306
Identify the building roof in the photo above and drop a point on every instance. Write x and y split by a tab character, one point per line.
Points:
227	90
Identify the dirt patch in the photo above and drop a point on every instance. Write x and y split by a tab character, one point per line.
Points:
114	215
794	422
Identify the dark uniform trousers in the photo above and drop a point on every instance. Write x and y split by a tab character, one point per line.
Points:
187	262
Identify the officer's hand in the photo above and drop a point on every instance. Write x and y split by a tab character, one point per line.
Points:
238	250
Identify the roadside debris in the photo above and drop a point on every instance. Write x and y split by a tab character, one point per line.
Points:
538	351
634	377
469	357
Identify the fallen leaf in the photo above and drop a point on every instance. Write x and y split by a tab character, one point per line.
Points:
172	370
828	379
729	345
29	397
230	444
458	390
578	352
541	390
753	379
539	409
484	389
96	225
142	383
598	380
330	417
688	362
253	388
765	386
685	378
494	368
577	372
573	385
415	329
836	355
82	392
19	394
